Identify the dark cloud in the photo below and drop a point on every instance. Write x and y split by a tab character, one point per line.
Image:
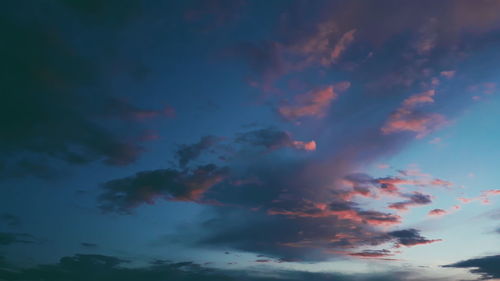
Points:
268	138
410	237
107	268
187	153
57	102
415	199
488	267
372	254
8	238
272	138
190	184
296	208
122	195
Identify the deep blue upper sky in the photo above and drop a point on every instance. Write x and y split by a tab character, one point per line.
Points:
249	140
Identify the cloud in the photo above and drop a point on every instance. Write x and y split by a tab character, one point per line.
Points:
285	220
484	197
342	45
323	47
367	186
487	266
187	153
122	195
415	199
437	212
410	237
372	254
407	118
56	103
271	139
341	210
314	103
448	73
190	183
8	238
109	268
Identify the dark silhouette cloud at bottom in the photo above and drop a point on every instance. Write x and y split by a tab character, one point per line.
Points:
488	267
107	268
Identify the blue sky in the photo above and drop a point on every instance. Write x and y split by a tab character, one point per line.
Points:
249	140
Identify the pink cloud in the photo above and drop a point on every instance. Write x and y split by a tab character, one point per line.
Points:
407	119
492	192
424	97
440	182
437	212
322	210
342	45
448	73
314	103
483	198
309	146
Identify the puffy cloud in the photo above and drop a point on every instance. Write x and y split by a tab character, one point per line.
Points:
122	195
314	103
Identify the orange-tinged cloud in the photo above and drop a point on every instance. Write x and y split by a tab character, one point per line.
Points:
309	146
314	103
321	210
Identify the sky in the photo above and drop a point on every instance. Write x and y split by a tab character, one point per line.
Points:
281	140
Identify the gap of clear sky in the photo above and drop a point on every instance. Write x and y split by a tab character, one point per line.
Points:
250	140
